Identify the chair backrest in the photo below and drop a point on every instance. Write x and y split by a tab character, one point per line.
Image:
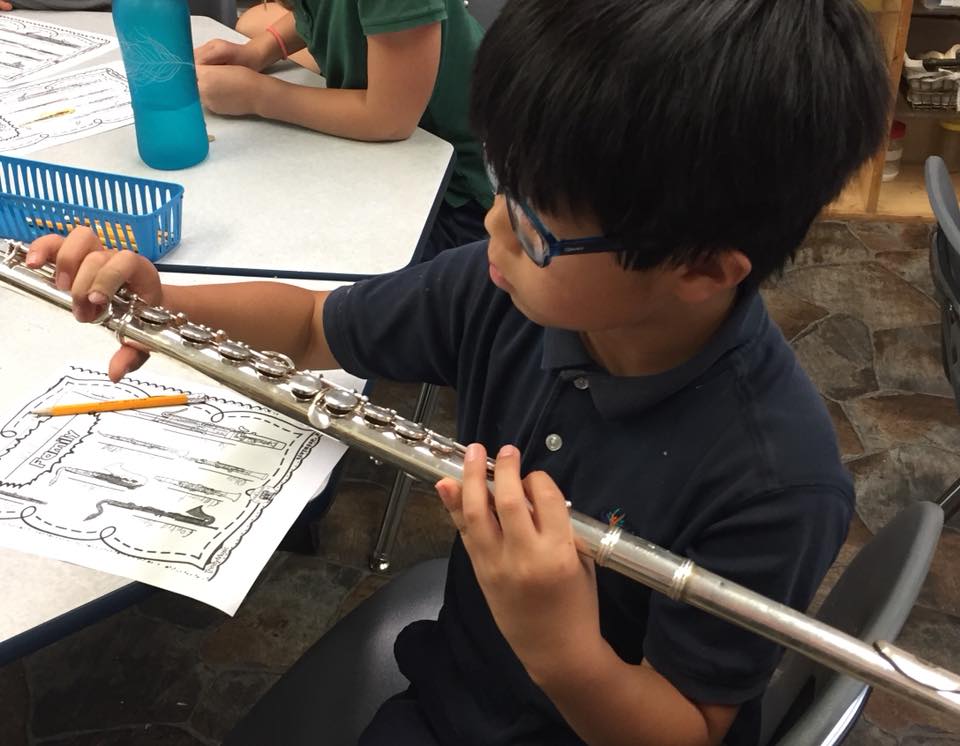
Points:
943	198
415	594
224	11
945	264
484	10
333	691
807	703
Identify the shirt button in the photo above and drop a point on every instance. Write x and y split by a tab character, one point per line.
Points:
581	383
554	442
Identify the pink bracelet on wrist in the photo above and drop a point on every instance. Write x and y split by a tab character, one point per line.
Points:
283	47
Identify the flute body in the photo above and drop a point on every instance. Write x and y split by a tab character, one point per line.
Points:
272	380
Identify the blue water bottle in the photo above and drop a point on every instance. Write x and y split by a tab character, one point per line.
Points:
157	51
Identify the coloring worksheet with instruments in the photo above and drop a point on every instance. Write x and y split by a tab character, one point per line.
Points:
191	498
31	49
64	108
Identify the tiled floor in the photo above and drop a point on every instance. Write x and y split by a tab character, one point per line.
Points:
857	306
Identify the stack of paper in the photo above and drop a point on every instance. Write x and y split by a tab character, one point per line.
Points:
42	103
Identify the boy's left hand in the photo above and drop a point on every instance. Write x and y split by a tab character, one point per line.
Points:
542	593
228	89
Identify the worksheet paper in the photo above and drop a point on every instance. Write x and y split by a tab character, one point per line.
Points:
64	108
30	49
193	499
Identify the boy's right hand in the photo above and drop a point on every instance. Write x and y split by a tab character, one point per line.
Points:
223	52
93	275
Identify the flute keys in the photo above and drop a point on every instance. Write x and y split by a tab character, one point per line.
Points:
339	403
280	358
153	315
16	250
378	416
305	386
271	367
441	446
273	364
234	351
198	335
410	431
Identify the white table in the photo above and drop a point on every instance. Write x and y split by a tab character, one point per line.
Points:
43	599
277	200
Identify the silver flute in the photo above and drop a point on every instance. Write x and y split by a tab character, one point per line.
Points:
272	379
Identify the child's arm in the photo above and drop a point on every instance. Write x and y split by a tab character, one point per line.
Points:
265	315
258	53
543	597
402	68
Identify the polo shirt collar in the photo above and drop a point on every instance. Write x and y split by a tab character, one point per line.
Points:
616	396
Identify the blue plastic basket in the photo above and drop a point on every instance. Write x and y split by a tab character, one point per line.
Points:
126	212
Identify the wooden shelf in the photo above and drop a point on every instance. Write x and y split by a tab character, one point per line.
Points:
919	9
850	204
904	199
867	197
905	111
884	6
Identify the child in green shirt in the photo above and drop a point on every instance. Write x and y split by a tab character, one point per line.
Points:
390	66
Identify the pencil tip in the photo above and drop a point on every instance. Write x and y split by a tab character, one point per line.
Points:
41	412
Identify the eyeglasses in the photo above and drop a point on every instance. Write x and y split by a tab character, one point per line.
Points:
541	245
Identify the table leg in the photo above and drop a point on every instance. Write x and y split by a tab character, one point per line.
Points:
397	499
950	501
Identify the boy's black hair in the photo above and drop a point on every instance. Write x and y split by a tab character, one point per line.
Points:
686	127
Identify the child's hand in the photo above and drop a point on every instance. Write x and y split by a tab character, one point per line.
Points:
93	275
229	89
543	595
4	5
223	52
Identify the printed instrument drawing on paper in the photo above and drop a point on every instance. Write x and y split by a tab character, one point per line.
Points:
31	49
65	108
193	499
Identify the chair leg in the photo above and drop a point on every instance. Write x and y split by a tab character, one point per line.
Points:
397	500
950	501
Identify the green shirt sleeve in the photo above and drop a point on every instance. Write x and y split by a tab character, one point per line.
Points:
384	16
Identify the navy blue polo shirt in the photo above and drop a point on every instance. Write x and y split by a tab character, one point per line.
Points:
729	459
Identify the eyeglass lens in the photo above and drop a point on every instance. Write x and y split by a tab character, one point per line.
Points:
529	237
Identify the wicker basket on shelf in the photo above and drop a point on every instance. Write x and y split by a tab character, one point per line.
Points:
932	82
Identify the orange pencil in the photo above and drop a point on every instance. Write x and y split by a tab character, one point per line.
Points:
118	404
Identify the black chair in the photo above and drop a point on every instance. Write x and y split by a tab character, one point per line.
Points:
334	689
945	269
807	703
337	685
485	11
224	11
945	263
